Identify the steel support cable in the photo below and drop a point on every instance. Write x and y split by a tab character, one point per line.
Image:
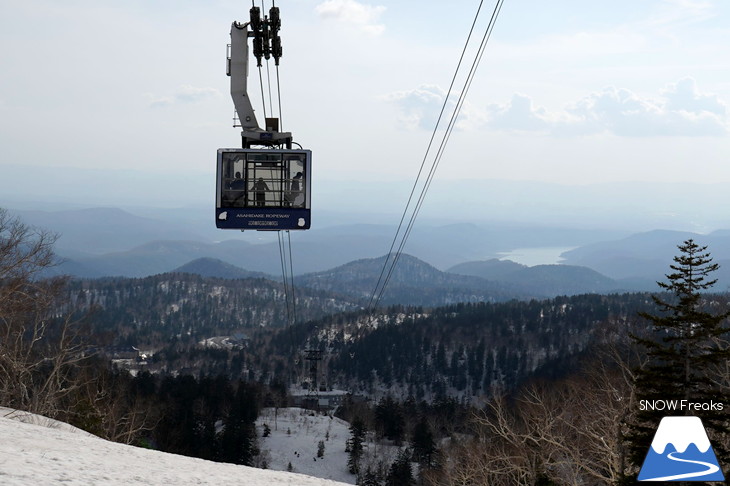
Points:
278	92
291	280
284	277
444	141
289	297
452	122
278	86
263	98
425	156
268	82
268	72
457	111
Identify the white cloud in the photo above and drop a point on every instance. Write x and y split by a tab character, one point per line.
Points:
683	96
191	94
420	108
680	12
519	114
366	17
680	109
184	94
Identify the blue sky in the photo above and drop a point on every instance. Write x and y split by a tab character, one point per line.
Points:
570	91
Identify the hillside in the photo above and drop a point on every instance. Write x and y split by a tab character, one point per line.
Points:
413	282
212	267
492	269
457	350
294	438
108	241
104	242
185	306
49	453
646	255
544	280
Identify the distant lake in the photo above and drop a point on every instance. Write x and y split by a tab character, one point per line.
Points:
543	255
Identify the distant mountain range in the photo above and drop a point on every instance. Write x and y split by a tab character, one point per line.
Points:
103	242
544	280
212	267
641	259
109	241
415	282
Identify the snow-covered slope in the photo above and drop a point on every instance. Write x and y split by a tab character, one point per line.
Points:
47	452
294	439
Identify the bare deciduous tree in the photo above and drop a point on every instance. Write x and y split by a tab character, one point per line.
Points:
569	432
39	351
104	406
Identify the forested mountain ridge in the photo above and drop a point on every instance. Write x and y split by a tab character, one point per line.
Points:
413	282
212	267
466	349
462	349
187	307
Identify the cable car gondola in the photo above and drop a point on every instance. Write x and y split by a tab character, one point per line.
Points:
263	189
265	185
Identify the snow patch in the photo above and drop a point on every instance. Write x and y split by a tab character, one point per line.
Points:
37	450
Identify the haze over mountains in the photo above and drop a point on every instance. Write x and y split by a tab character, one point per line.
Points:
465	258
626	232
111	241
183	199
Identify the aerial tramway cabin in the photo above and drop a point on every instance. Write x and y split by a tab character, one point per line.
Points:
263	189
265	185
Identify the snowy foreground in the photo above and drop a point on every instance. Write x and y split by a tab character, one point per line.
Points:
39	451
294	438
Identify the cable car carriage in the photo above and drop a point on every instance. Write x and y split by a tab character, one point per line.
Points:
263	189
268	187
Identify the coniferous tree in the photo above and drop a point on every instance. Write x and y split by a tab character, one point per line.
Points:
370	479
356	444
682	349
424	446
389	418
238	439
400	473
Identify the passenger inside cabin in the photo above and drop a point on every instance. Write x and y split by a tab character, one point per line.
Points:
260	188
237	183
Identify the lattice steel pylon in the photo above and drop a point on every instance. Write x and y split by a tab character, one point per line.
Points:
314	356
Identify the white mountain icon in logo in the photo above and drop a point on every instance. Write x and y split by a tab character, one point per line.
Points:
681	451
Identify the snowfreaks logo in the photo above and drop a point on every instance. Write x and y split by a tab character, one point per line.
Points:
681	451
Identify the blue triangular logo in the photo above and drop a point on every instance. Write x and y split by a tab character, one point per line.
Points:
681	451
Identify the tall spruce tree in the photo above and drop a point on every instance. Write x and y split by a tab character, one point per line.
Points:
356	445
681	351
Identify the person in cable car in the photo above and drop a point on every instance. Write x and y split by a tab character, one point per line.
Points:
237	184
295	197
260	188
